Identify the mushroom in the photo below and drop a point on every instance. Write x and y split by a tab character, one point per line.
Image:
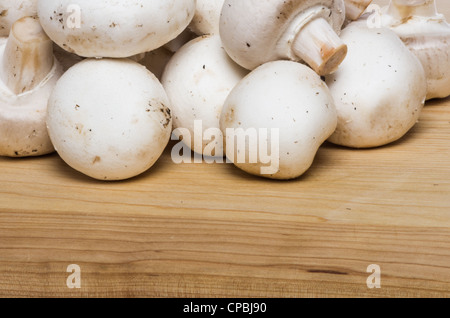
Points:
379	89
109	118
28	73
427	34
255	32
355	8
197	80
13	10
207	17
276	118
112	28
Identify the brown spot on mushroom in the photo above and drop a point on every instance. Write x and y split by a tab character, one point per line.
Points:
230	116
162	108
166	111
97	159
79	128
33	134
143	153
285	10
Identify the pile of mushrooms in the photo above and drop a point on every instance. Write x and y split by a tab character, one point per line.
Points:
259	84
108	116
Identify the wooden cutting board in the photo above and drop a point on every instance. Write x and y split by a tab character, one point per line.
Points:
201	230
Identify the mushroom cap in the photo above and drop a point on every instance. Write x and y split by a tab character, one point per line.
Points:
429	39
22	117
198	79
117	29
109	119
379	89
255	32
13	10
295	101
207	17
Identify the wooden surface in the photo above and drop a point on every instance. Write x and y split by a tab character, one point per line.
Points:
213	231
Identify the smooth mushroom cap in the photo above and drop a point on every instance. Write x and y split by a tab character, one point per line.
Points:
13	10
379	89
427	34
109	118
197	80
287	97
117	29
207	17
255	32
28	74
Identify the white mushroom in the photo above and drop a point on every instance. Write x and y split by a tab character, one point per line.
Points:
255	32
28	73
207	17
109	118
276	118
111	28
13	10
355	8
379	90
427	34
197	80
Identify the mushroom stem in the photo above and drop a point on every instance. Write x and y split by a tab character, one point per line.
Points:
355	8
320	47
28	56
404	9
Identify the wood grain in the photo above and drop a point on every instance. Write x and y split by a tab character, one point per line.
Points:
213	231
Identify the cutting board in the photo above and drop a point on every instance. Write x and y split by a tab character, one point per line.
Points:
359	223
